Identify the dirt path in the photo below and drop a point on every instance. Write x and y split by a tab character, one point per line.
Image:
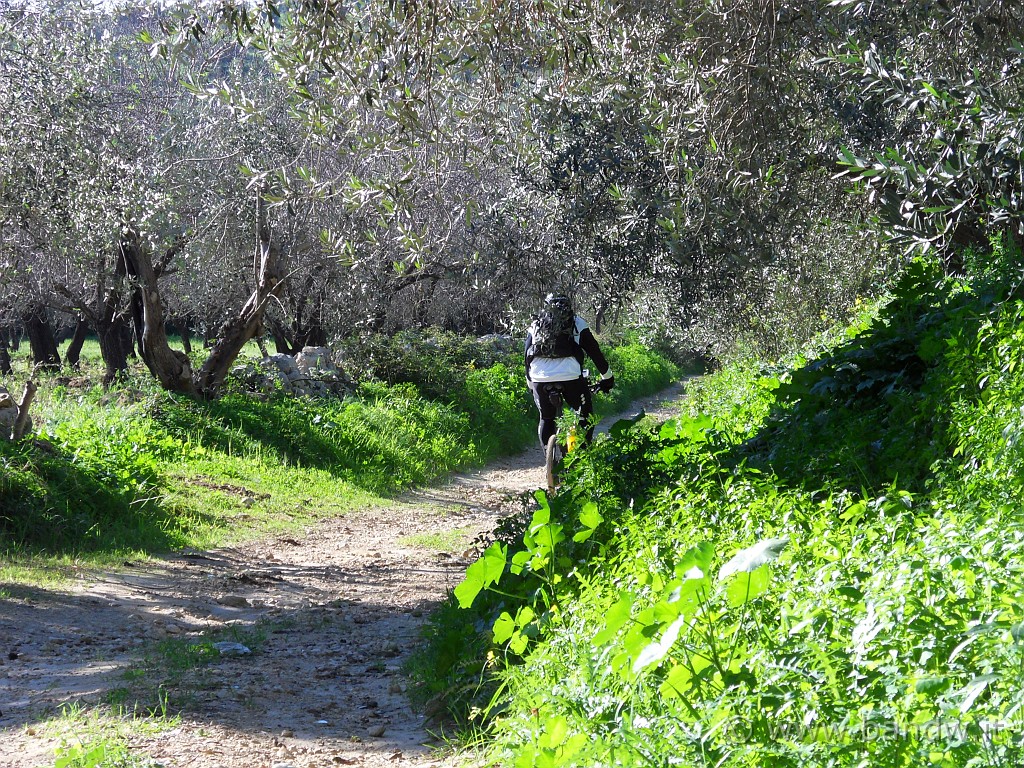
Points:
328	620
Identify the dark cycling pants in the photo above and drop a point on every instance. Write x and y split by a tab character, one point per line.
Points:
575	393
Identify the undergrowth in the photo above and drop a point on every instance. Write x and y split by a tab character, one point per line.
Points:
817	564
137	470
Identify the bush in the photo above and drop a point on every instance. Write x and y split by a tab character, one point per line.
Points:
91	483
437	362
723	590
500	408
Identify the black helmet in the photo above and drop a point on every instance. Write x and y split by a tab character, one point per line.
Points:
558	299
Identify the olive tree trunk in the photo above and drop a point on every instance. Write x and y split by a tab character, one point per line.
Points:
171	367
41	339
74	353
249	322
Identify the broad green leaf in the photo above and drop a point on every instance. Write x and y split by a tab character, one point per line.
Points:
1017	633
624	425
519	561
615	619
583	535
518	642
698	663
931	686
850	591
589	516
637	639
666	611
470	587
754	557
675	683
542	515
556	730
688	596
696	557
525	616
481	574
657	650
504	626
573	745
745	586
549	536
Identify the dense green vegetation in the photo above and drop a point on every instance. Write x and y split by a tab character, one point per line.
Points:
140	469
817	564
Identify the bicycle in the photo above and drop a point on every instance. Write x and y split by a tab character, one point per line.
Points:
557	449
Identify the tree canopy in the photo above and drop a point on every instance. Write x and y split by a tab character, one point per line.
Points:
702	170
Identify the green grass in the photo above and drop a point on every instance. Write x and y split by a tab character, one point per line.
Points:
124	473
442	541
819	564
93	738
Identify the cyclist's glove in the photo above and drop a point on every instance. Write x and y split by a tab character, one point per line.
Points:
607	384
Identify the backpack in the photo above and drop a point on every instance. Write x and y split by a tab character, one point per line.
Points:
554	330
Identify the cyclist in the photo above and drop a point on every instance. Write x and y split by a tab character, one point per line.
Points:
556	343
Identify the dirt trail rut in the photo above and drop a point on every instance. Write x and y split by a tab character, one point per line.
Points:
331	619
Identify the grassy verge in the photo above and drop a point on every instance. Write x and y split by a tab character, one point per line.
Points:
133	471
817	566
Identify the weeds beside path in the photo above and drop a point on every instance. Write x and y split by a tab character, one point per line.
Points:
328	621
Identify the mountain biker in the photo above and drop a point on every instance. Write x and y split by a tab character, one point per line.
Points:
556	343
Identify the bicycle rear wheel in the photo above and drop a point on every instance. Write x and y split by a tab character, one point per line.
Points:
552	458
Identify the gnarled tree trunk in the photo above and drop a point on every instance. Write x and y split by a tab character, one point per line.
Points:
168	366
41	338
5	357
74	351
238	331
110	328
113	349
171	367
